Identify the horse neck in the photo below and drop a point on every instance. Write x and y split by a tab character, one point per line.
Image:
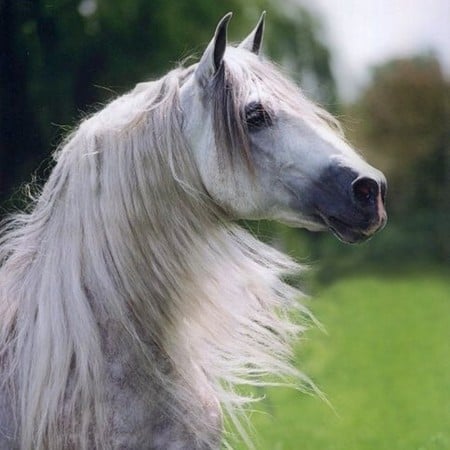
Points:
122	233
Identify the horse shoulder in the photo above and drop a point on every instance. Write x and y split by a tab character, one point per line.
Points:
139	413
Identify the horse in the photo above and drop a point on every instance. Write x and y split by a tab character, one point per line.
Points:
132	304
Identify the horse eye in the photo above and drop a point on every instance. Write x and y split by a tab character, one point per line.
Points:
256	117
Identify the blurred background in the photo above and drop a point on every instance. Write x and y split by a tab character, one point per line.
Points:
382	67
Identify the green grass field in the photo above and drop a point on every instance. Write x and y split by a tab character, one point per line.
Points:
384	366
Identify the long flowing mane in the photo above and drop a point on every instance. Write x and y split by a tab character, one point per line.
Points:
124	236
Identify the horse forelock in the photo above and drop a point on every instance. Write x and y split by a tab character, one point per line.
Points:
230	132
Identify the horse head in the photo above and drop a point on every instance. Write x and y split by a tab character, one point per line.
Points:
264	151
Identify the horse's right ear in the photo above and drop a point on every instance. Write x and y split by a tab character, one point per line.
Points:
253	41
212	58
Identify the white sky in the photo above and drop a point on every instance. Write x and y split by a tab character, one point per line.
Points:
366	32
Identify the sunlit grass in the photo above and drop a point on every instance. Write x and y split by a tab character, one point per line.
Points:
384	365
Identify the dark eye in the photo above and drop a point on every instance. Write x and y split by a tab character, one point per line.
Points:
256	117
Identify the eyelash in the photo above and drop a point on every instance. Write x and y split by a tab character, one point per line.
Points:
256	117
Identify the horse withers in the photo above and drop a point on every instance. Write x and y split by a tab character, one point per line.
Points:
131	305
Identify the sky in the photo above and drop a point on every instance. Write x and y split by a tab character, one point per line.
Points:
365	33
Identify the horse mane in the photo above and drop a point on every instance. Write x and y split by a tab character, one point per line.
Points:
124	233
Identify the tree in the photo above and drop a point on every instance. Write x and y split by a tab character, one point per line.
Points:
404	118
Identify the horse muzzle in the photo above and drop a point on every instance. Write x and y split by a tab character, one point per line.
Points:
349	204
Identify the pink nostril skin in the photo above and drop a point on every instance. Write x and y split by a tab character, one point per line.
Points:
382	214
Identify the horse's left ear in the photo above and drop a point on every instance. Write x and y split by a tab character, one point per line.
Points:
212	58
253	41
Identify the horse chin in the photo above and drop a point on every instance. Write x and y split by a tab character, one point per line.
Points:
350	236
320	222
344	231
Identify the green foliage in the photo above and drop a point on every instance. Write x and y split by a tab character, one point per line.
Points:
383	365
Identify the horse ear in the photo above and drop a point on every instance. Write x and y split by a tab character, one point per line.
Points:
253	41
212	58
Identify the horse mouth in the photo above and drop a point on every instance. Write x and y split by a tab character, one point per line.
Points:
344	231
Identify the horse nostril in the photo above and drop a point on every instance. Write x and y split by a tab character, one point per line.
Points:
365	190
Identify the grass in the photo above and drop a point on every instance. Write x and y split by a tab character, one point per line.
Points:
384	366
